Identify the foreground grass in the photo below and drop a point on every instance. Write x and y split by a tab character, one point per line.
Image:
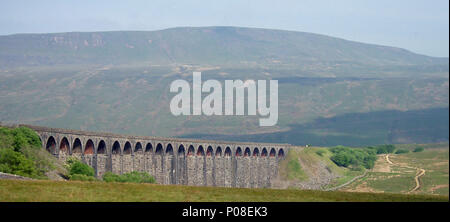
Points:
44	190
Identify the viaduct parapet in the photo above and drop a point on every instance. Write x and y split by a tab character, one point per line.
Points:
169	160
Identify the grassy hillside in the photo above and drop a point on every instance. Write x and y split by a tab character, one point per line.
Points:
312	168
16	190
358	129
399	176
331	91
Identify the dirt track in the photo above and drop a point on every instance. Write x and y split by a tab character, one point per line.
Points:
420	173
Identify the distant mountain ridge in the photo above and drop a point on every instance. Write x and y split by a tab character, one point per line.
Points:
200	45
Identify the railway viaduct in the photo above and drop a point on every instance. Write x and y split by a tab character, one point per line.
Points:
169	160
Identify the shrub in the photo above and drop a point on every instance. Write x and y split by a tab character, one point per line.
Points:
16	163
353	157
77	167
132	177
418	149
400	151
81	177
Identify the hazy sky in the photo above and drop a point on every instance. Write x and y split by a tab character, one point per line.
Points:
417	25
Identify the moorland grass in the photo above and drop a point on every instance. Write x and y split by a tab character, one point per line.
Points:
45	190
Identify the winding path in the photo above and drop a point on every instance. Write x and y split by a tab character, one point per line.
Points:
420	173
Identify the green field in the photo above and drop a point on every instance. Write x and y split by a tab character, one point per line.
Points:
42	190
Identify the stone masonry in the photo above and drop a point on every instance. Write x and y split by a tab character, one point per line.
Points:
169	160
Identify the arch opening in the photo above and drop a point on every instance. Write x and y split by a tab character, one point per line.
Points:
159	149
116	148
209	151
181	149
64	146
89	148
76	146
200	151
272	152
264	152
256	151
138	148
101	149
127	148
219	151
148	148
281	153
238	151
51	145
247	152
191	150
227	151
169	149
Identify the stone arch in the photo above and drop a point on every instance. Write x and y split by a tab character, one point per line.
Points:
127	148
191	150
149	162
89	153
169	176
181	167
247	152
51	145
148	148
159	149
238	151
209	151
138	148
102	158
64	147
256	151
159	163
169	149
101	147
227	168
77	147
115	148
138	158
191	161
228	151
209	167
116	162
89	147
127	159
200	151
264	152
272	152
281	153
218	151
181	150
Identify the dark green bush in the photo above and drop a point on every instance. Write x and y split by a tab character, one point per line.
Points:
27	143
382	149
16	163
400	151
81	177
355	158
77	167
132	177
418	149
